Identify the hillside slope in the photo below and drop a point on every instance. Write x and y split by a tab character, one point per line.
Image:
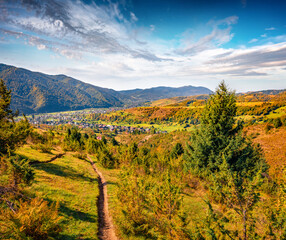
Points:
35	92
38	92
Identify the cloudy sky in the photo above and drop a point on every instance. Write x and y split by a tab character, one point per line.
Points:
128	44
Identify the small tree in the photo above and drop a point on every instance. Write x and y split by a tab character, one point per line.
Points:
220	153
73	140
12	134
177	150
277	122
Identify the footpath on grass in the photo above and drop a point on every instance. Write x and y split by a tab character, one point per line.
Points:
105	227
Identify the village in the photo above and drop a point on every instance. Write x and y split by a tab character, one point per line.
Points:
80	120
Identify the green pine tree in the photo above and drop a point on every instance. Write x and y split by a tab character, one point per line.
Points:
219	152
12	134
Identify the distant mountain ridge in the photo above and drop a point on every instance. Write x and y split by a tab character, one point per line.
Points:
35	92
268	92
156	93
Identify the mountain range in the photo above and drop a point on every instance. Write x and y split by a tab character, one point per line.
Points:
35	92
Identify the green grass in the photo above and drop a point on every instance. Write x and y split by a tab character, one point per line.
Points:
249	104
277	113
194	206
34	154
73	183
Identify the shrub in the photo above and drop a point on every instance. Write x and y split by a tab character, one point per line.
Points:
44	148
277	122
106	159
283	120
268	127
20	171
33	220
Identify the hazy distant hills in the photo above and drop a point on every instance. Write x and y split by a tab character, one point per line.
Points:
34	92
152	94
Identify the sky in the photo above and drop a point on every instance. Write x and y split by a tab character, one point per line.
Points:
127	44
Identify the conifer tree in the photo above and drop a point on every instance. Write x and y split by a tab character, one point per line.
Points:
11	134
13	169
219	137
220	153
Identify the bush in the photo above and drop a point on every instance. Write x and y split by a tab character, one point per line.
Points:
44	148
80	156
268	127
20	170
36	137
283	120
277	122
93	145
33	220
106	159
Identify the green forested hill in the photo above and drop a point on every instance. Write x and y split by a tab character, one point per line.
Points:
34	92
38	92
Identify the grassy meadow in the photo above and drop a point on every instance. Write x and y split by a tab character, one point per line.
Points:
71	182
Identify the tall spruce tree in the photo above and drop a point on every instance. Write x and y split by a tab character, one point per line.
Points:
219	137
219	152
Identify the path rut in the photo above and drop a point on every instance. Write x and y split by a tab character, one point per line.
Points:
105	227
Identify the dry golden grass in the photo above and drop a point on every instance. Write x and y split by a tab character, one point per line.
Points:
273	144
249	104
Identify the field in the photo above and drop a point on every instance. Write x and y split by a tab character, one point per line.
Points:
71	182
273	144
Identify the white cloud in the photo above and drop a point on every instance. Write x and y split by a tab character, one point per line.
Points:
114	53
46	26
133	17
219	36
263	35
253	40
258	60
270	29
226	21
41	47
83	28
152	28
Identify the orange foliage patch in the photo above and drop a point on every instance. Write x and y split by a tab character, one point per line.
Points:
273	144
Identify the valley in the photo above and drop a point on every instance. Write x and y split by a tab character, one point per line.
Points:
142	120
139	162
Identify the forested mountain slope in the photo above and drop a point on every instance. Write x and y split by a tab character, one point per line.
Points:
35	92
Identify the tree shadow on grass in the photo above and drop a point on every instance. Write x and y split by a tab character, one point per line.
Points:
68	237
110	183
62	171
76	214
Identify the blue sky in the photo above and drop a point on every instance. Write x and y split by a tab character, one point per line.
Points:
129	44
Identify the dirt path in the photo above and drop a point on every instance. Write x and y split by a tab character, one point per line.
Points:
105	227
